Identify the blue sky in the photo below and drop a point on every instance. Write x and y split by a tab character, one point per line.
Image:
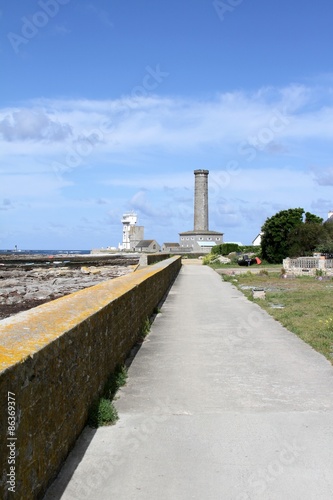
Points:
109	106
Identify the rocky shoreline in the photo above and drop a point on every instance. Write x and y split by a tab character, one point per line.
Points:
28	281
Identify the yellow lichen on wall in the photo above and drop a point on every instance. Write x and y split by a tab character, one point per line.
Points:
24	334
56	359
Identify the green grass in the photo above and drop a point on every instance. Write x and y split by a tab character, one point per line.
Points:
102	411
145	329
117	380
306	306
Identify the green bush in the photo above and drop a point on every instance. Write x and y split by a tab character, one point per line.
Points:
251	249
225	248
117	380
208	259
102	412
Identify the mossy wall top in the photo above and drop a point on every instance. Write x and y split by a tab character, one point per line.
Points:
56	359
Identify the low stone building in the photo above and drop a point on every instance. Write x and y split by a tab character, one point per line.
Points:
200	241
170	247
148	246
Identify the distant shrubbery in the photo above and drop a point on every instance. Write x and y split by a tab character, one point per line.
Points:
232	251
209	258
227	248
251	249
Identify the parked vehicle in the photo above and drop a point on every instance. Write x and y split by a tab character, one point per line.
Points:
245	260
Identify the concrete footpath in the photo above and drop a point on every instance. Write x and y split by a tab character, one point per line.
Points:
221	402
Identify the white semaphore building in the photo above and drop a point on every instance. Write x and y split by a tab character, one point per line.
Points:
132	233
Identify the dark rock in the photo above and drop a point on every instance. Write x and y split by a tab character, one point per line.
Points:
23	289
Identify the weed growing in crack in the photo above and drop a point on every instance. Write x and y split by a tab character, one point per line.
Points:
102	411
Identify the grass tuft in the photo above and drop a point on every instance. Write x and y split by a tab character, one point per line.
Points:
102	411
145	329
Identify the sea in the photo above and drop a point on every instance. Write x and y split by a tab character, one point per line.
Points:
44	252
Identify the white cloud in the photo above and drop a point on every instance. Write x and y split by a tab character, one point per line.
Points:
140	153
268	120
6	204
31	124
324	178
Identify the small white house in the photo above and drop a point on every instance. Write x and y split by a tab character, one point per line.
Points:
257	240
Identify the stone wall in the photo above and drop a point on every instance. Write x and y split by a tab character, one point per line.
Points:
55	360
309	266
149	259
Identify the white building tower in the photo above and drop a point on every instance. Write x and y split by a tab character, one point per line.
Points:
132	233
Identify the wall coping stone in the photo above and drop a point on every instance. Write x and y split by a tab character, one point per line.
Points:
27	332
56	358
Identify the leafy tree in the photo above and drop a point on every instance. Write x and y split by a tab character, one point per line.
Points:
305	238
326	246
328	225
276	229
314	219
289	234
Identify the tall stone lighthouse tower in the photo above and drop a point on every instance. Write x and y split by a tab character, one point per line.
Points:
201	239
201	200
